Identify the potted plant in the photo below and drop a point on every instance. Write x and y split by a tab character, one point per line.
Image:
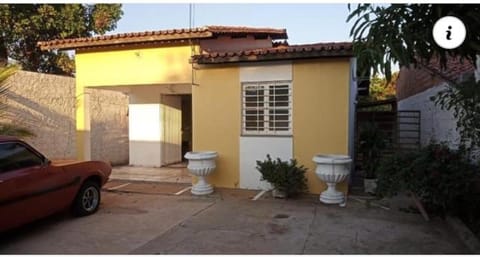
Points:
287	178
371	144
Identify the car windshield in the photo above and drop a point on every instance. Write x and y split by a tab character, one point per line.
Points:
16	156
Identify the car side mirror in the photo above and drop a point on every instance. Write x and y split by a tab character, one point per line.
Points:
46	162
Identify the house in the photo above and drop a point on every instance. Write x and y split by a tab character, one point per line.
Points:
416	86
240	91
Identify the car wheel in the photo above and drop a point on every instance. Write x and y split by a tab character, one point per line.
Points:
87	200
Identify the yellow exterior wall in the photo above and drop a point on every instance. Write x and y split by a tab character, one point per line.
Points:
115	67
320	113
320	116
216	121
162	65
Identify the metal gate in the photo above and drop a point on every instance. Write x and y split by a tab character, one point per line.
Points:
401	128
402	131
408	130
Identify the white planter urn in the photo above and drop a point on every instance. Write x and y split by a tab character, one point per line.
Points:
332	169
201	164
370	185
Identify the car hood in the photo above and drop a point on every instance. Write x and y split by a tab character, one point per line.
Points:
64	162
85	168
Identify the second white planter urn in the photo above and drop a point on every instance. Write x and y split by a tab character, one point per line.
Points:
332	169
201	164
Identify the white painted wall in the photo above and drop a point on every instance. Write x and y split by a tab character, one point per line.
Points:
436	124
145	130
253	148
268	71
257	148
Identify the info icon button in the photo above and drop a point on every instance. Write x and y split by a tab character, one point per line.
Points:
449	32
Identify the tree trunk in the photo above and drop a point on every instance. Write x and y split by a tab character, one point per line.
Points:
3	53
477	70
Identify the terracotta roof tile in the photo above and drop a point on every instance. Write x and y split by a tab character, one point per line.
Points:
454	69
161	35
413	80
274	33
278	52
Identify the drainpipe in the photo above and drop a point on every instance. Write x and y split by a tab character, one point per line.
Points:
352	111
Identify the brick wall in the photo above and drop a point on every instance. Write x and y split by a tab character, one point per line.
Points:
412	81
46	105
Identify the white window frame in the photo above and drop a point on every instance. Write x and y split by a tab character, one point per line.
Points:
267	129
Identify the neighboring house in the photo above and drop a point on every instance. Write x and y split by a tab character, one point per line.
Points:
240	91
415	87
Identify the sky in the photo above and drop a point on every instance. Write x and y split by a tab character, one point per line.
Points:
305	23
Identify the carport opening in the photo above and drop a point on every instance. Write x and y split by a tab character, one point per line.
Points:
186	125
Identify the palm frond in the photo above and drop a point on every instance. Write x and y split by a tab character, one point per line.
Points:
6	72
8	128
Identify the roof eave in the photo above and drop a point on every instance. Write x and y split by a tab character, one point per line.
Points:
50	45
270	57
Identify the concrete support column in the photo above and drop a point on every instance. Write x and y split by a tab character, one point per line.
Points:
82	123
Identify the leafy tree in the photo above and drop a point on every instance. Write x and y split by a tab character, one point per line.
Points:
381	88
23	25
402	33
464	100
5	127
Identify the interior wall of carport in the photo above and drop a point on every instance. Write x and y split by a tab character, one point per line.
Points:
125	67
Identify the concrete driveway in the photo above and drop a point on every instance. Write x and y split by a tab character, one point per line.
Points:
149	218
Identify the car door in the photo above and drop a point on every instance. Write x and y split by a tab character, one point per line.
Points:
27	183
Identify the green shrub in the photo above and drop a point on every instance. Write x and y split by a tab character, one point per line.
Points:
439	176
285	176
468	207
372	141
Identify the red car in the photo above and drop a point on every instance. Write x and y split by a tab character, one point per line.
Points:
33	187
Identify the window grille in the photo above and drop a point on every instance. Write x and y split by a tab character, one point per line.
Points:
267	108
